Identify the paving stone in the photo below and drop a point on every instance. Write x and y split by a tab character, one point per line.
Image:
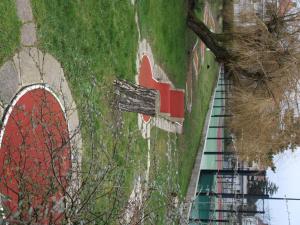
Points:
28	65
72	116
9	82
53	76
28	34
74	132
73	122
36	54
52	72
1	109
24	11
167	125
66	97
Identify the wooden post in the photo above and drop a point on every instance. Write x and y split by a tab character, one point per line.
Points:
134	98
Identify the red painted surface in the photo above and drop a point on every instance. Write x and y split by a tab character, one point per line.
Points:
34	155
177	104
171	102
164	90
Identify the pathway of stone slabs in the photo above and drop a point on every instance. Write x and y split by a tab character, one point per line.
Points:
30	66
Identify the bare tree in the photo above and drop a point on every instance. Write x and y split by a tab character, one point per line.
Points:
262	58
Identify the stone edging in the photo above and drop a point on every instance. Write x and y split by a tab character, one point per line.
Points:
29	67
21	94
158	75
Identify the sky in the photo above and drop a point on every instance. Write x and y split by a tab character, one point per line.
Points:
287	178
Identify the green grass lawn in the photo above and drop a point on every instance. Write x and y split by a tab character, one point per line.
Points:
9	30
189	143
96	41
163	24
171	169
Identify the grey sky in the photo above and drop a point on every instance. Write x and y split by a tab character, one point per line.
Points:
287	177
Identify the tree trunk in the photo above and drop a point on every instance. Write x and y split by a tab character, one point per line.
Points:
134	98
209	38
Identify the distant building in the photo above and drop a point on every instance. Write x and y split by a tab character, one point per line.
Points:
286	6
260	222
244	7
250	220
259	7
